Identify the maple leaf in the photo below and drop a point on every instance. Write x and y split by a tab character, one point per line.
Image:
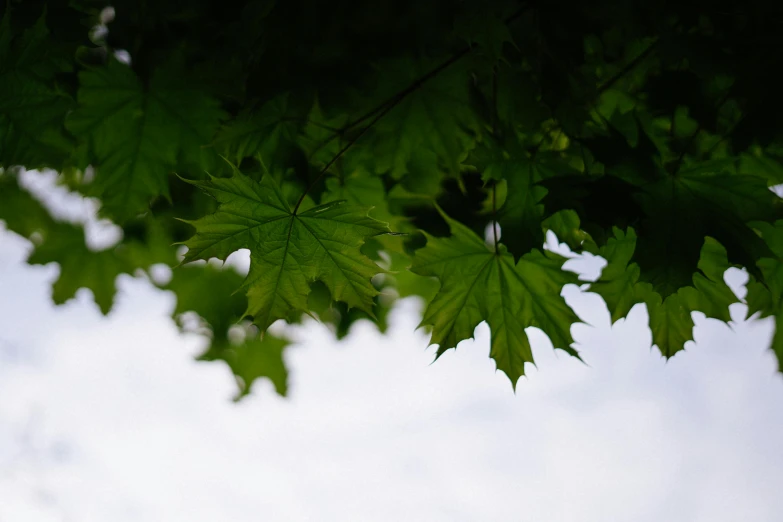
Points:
765	292
619	284
480	284
765	295
288	249
31	104
713	202
63	243
712	199
567	228
255	358
258	131
433	125
486	29
361	188
249	359
224	307
22	213
80	267
139	135
670	316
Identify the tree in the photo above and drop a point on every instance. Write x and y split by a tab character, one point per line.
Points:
360	151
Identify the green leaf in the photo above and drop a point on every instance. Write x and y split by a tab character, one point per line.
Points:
710	294
32	106
360	189
670	322
321	142
79	266
777	339
256	358
758	164
209	292
22	213
713	202
258	131
619	282
223	307
765	296
62	243
709	197
567	227
487	29
765	292
288	249
670	317
139	135
433	124
479	284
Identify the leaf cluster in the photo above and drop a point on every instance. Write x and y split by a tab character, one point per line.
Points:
359	166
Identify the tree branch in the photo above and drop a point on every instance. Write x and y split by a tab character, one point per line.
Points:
628	67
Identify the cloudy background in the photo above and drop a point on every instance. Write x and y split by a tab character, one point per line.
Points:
110	419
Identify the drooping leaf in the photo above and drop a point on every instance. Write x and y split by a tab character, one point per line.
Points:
22	213
619	284
62	243
711	198
223	307
288	249
258	358
80	267
765	294
670	316
209	292
713	202
480	284
670	322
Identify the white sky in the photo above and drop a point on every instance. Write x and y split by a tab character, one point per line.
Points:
110	419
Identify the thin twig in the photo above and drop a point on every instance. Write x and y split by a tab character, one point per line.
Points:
391	102
628	67
494	216
494	115
311	122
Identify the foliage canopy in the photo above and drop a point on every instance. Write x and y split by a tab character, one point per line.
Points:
360	150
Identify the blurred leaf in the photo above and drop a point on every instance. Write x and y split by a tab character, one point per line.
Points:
139	135
32	106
